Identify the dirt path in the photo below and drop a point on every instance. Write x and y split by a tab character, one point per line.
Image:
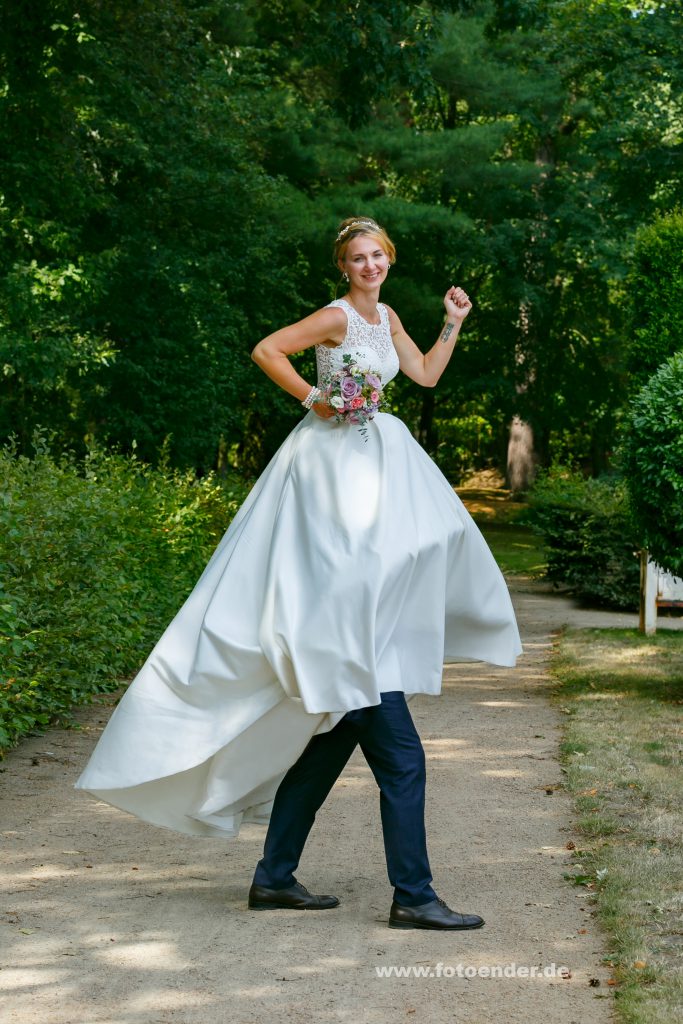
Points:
106	920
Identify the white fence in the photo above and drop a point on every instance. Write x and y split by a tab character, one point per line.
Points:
658	589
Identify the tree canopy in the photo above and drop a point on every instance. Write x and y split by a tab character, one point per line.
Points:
173	173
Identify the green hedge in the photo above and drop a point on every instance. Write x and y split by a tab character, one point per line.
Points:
656	290
94	562
653	464
589	536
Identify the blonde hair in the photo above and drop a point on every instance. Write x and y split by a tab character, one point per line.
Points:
352	227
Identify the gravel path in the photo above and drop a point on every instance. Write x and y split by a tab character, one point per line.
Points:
106	920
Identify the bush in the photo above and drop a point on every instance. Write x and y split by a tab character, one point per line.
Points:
465	444
589	536
656	284
95	561
653	464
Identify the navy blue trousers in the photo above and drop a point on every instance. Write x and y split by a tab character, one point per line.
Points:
392	748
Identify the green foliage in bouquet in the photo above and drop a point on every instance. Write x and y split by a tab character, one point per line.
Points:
95	561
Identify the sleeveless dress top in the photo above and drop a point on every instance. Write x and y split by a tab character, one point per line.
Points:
371	344
351	569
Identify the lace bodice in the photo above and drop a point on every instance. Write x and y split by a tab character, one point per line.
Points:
371	344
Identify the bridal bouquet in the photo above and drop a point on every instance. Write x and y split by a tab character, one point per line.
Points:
354	393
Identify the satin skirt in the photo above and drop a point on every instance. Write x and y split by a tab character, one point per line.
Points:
351	569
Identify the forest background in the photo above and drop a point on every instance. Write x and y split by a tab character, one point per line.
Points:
173	173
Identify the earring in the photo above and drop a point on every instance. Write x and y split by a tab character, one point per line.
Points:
346	276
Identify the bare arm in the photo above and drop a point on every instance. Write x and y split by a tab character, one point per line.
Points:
426	368
272	353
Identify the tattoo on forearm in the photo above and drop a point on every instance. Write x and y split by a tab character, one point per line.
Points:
446	332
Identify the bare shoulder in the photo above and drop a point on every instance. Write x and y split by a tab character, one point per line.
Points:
333	322
333	315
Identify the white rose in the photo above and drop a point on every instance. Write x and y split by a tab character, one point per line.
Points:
337	401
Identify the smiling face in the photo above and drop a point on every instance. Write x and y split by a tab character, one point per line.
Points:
366	262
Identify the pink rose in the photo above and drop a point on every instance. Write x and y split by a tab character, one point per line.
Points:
357	403
374	396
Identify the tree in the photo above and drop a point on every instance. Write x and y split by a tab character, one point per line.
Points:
138	229
174	171
607	154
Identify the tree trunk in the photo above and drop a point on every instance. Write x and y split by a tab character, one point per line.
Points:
425	430
521	460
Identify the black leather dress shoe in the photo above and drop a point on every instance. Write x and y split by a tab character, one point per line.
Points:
296	897
432	915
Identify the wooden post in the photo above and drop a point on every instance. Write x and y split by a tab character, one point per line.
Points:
648	595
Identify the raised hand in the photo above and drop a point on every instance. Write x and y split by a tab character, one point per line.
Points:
457	303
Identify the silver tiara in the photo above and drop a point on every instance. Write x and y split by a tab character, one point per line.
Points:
355	224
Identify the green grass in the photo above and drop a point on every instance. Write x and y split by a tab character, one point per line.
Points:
517	549
623	696
515	546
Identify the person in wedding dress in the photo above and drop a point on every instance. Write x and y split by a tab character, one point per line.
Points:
347	577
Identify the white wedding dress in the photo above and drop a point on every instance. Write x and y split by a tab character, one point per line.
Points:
351	568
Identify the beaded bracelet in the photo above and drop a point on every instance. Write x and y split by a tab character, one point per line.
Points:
311	397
